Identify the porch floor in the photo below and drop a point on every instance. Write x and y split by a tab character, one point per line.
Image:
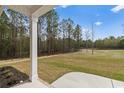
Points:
34	84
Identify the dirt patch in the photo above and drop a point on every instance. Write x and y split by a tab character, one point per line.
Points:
10	76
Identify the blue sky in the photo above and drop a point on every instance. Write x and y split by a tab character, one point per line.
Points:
107	19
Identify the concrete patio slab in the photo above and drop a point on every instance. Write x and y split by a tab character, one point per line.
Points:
34	84
118	84
84	80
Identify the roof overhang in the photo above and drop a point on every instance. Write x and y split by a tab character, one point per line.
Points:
30	10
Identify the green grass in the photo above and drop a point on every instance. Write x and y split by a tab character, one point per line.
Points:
107	63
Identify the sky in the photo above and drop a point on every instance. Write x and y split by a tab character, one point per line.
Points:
107	19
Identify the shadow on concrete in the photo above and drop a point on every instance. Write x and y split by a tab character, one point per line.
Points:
10	76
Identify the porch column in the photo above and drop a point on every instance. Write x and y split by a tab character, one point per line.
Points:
33	49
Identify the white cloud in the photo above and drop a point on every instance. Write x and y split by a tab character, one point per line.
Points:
98	23
117	8
62	6
84	28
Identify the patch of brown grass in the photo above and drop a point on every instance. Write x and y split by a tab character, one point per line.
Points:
101	63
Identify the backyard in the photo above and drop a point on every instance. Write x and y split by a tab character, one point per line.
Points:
107	63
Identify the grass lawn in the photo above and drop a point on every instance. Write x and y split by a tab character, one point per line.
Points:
107	63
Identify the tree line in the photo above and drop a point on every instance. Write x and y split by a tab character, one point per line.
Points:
110	43
14	38
54	35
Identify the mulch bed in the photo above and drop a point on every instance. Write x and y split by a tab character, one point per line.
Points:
10	76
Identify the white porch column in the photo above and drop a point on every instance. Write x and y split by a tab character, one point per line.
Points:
33	49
